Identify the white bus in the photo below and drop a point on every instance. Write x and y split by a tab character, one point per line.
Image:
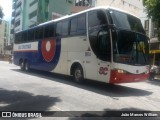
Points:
102	44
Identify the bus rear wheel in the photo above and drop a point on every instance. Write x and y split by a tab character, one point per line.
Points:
26	66
78	74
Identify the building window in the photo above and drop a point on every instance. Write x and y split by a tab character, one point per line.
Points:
32	3
17	23
154	29
19	4
83	2
146	27
18	13
33	14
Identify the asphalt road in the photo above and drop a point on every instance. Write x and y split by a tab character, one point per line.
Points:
43	91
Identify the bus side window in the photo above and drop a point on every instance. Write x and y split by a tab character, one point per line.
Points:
59	29
24	36
81	28
17	38
39	33
96	18
99	35
65	25
31	35
51	30
46	31
104	45
73	27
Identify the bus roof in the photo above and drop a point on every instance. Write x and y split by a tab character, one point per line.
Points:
72	15
94	8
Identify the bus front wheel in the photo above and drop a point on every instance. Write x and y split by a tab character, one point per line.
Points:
78	74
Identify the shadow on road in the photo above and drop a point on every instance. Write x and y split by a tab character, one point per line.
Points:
24	101
97	87
154	82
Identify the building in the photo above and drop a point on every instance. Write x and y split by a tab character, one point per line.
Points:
59	8
150	27
4	36
29	13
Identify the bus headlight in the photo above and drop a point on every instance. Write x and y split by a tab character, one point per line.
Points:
121	71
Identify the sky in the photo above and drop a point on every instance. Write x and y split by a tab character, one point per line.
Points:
7	9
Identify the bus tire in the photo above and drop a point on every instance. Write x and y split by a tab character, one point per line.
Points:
22	65
26	66
78	74
152	75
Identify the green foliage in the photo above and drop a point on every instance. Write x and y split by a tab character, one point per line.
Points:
153	9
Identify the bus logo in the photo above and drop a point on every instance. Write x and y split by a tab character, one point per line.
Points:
103	70
48	49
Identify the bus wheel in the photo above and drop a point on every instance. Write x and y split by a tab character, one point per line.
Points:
22	65
152	75
78	74
26	66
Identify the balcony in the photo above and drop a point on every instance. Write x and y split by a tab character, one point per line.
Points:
18	28
13	5
12	31
18	10
17	18
18	3
12	21
13	13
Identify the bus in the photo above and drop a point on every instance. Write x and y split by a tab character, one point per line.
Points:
103	44
154	58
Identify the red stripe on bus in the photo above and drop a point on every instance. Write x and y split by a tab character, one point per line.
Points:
126	78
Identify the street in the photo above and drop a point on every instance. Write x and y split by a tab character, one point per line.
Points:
43	91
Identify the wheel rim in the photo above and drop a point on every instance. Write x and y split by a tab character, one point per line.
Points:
22	65
78	75
26	67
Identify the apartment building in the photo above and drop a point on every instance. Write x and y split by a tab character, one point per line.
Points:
29	13
16	21
4	36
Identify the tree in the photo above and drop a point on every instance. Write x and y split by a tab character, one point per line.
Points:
152	7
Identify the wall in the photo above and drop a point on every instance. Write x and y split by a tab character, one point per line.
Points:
131	6
61	7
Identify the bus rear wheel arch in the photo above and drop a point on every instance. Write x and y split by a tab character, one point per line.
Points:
77	73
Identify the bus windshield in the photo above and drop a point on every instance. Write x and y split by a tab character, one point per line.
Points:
131	48
126	21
